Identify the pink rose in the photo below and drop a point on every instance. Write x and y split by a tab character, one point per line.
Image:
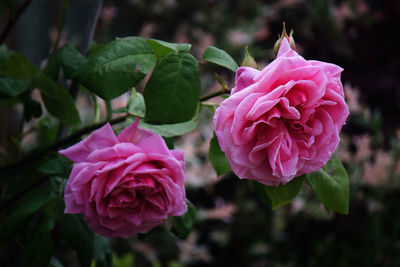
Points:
127	184
282	121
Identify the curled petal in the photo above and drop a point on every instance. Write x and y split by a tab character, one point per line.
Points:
99	139
244	78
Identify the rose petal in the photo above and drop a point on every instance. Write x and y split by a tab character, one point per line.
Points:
244	78
132	133
121	150
333	69
285	50
99	139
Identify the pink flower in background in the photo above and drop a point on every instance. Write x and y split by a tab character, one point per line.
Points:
124	184
282	121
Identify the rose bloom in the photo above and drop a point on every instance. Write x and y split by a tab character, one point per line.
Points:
282	121
127	184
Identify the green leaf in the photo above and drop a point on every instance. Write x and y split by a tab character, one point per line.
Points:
5	53
126	260
52	68
183	224
331	185
38	249
172	92
10	87
117	67
220	57
102	252
170	130
261	192
169	141
17	66
21	216
71	60
174	129
136	106
218	158
78	235
56	165
162	48
94	48
283	194
56	99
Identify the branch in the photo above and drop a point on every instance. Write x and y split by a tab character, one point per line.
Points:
223	90
36	155
216	76
5	205
214	94
12	20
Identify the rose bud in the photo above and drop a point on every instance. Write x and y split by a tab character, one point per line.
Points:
284	35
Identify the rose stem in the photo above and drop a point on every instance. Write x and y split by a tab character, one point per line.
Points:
36	155
221	91
12	19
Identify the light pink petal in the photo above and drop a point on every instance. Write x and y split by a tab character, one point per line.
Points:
80	179
121	150
225	113
179	155
239	120
338	112
272	75
288	157
70	203
130	162
244	78
314	87
304	92
133	133
175	168
263	174
176	196
285	50
153	144
258	154
333	69
99	139
260	108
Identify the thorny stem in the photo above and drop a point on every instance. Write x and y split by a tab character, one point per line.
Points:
216	76
224	88
214	94
12	20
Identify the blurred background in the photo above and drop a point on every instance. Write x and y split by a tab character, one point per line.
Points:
233	227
